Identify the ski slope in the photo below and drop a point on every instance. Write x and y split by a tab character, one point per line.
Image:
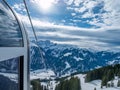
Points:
96	84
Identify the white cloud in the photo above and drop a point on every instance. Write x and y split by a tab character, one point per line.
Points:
77	10
90	4
106	37
69	2
112	16
88	15
69	8
76	20
63	21
109	18
112	5
85	4
19	7
100	39
110	9
73	14
77	2
82	9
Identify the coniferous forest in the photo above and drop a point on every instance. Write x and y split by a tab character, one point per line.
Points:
72	84
36	84
105	74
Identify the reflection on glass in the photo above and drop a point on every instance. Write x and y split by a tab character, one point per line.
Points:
9	74
10	33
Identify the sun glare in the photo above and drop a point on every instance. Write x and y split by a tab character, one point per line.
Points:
45	4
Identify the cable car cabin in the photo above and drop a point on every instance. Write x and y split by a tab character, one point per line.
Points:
14	63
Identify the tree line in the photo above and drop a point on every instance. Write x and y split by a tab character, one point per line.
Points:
105	74
69	84
36	85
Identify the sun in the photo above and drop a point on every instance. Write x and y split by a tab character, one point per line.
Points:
45	5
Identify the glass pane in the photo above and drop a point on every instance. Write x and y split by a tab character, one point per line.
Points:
10	33
9	74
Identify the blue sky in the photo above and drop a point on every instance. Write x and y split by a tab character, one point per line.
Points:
86	23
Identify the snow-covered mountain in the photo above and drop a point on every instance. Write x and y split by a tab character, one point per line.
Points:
67	59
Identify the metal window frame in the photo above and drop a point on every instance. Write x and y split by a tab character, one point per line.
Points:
21	73
23	53
18	22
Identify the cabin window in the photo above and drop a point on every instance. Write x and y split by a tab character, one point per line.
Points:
10	73
10	31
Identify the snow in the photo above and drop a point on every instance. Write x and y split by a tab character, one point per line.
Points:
112	62
67	54
55	53
41	74
98	66
85	54
103	54
78	58
33	44
118	57
11	76
45	74
67	65
51	85
95	84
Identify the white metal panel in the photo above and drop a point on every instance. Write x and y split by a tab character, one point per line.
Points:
13	52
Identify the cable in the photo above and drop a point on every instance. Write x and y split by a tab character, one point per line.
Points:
43	61
30	19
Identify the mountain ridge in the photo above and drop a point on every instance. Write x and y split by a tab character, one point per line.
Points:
67	59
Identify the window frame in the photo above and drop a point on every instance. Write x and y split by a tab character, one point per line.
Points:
23	52
19	25
21	73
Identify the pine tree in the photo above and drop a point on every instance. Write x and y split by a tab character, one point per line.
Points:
79	83
36	85
119	74
104	81
72	84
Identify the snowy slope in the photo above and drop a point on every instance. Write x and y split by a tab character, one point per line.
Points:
42	74
85	86
45	75
95	84
11	76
